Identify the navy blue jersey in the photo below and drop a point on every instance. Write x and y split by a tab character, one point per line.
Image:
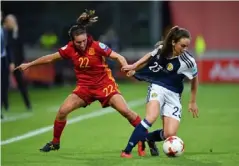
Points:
168	73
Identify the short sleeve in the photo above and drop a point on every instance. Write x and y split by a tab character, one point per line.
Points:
65	51
188	66
155	51
102	49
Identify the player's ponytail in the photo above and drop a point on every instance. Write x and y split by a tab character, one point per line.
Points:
84	20
167	43
87	18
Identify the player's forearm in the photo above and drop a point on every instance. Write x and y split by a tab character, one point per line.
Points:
122	60
42	60
119	58
140	66
194	88
142	62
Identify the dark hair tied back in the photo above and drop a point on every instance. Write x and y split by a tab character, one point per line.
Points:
86	19
174	35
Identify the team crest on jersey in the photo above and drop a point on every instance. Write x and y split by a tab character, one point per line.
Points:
154	95
91	51
169	66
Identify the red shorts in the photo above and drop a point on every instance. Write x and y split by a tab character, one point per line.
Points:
101	93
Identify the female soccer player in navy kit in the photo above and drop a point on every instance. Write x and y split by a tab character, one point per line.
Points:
165	68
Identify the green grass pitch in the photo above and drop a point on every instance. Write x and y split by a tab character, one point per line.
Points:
210	140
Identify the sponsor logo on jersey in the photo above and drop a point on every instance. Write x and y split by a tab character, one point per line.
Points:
169	66
154	95
91	51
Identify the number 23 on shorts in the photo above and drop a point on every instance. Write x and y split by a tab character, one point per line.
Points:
177	112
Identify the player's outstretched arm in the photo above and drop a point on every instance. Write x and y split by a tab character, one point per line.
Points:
192	103
139	64
119	58
42	60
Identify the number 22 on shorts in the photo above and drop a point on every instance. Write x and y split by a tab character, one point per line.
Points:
109	89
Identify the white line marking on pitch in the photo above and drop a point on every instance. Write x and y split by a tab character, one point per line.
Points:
8	118
70	121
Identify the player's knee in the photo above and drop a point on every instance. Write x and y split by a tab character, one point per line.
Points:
152	117
62	113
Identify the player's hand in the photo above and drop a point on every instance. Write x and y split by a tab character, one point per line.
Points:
23	66
128	67
130	73
193	108
12	67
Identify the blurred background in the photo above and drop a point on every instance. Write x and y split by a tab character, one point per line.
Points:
131	28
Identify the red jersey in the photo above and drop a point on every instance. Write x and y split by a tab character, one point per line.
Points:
89	66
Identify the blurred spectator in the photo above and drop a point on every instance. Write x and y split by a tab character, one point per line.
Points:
6	64
16	50
111	39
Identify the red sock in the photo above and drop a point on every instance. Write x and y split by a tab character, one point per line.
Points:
136	121
58	128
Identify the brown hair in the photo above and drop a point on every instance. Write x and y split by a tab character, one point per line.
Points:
174	34
86	19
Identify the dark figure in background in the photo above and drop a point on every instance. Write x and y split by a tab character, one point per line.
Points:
16	49
111	39
6	64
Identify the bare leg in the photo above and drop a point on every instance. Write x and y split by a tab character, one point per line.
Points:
170	126
71	103
118	103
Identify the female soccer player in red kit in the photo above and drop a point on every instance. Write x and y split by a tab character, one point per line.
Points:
94	79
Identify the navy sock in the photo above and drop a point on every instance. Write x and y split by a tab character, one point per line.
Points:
155	136
138	134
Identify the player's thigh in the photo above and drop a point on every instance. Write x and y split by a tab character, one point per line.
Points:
118	103
155	100
152	111
71	103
